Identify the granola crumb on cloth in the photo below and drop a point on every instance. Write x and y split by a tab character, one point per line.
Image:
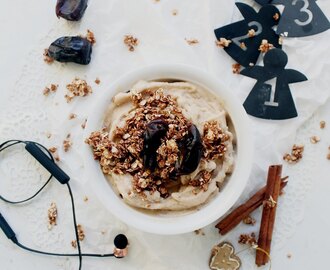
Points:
131	42
296	154
77	88
118	146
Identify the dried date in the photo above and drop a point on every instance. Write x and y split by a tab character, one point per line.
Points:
71	10
71	49
191	151
155	131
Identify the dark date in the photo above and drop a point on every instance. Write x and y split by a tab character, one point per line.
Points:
155	131
191	151
71	49
190	148
71	10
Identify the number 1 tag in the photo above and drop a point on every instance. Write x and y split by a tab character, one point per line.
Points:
246	35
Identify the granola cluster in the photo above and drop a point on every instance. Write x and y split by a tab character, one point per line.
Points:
77	87
131	42
296	154
52	215
213	140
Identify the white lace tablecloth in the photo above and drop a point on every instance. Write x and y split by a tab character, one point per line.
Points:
28	27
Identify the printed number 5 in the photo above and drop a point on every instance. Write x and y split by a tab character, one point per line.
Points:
305	10
237	40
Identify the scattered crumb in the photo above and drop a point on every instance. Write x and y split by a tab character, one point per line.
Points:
174	12
249	221
315	139
322	124
242	45
236	68
192	41
85	199
77	87
53	150
90	37
103	232
81	236
47	58
48	135
276	16
280	40
251	33
74	243
251	64
67	145
199	232
97	81
156	1
83	125
296	154
52	216
265	46
247	239
223	43
131	42
328	156
270	203
48	89
72	116
289	255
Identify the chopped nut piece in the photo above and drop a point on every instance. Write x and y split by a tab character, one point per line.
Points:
247	239
67	145
315	139
265	46
249	220
78	87
74	243
251	33
270	203
85	199
52	149
296	154
47	58
131	42
223	43
276	16
242	45
174	12
192	41
81	234
51	88
72	116
97	81
90	37
322	124
83	125
236	68
52	215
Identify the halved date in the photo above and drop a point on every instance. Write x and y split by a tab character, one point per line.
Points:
71	49
155	131
71	10
191	151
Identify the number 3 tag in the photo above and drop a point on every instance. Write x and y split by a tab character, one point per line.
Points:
301	18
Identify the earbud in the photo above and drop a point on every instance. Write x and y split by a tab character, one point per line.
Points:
120	243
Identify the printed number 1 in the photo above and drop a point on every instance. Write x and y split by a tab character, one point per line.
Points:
304	9
237	40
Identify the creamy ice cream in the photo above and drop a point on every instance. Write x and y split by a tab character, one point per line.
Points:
167	178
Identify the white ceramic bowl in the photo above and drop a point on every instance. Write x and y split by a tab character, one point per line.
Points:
214	209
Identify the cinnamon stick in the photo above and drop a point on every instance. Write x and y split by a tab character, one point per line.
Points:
244	210
268	214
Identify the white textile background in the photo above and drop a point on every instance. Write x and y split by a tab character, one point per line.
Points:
27	114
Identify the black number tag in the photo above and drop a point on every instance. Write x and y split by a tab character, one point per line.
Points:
301	18
244	47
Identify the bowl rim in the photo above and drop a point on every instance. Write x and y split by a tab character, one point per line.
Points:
216	207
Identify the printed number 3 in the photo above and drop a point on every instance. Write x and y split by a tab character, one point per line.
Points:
237	40
305	10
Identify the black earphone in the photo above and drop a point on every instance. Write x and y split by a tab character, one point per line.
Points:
44	157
